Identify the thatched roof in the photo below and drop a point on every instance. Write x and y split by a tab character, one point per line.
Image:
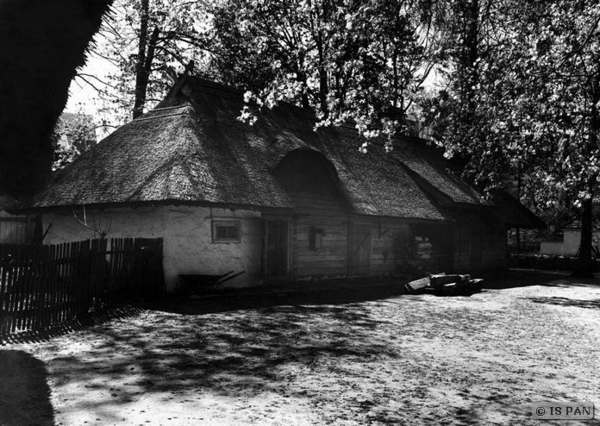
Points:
192	149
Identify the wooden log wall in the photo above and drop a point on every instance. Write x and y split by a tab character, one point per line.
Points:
479	248
321	215
332	257
387	237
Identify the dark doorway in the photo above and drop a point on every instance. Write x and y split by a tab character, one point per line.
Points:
359	250
476	249
276	251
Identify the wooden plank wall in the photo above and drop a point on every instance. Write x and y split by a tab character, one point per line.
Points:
386	237
494	249
489	241
323	212
331	259
16	229
469	248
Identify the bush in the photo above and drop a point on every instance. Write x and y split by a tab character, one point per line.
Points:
546	262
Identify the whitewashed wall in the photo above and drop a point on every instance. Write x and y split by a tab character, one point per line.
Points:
568	247
187	238
188	246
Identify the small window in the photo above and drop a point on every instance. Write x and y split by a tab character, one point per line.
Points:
226	231
315	239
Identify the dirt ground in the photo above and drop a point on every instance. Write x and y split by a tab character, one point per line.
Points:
345	357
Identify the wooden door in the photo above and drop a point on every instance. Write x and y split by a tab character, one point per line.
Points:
276	248
359	250
476	249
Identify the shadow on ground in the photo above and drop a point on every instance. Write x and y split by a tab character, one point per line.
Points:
232	354
529	277
37	336
257	299
564	301
24	391
336	349
273	348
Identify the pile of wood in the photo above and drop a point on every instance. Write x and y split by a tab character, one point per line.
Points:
446	285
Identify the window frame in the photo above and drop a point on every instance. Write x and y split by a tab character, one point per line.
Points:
229	224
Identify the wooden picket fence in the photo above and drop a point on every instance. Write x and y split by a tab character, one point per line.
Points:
45	286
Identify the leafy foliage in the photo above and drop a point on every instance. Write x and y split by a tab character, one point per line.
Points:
358	61
535	100
526	103
148	41
73	135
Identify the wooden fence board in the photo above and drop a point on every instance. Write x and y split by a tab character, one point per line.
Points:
58	289
49	281
17	282
3	291
6	326
38	291
43	286
11	295
56	285
25	283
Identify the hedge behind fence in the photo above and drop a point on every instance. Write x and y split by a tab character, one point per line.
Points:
547	262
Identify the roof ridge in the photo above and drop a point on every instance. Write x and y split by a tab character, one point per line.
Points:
213	84
148	116
225	91
170	107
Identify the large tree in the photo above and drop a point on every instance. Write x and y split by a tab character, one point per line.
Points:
531	104
146	41
360	61
41	45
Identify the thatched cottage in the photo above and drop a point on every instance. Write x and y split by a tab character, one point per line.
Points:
277	200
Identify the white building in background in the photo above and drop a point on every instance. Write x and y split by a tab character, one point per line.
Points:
568	246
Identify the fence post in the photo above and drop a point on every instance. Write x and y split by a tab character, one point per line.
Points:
3	287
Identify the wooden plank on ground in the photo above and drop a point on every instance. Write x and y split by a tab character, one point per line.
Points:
417	285
475	285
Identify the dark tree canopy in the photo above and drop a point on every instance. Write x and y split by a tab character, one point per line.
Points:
350	61
523	100
41	45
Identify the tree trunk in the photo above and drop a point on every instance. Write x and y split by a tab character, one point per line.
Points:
584	266
323	87
140	90
301	75
143	75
